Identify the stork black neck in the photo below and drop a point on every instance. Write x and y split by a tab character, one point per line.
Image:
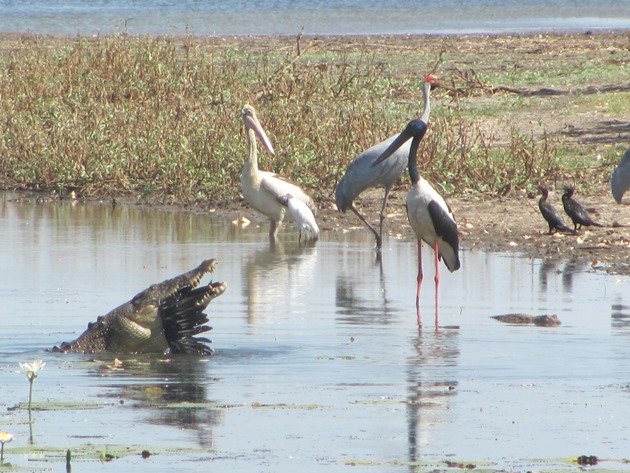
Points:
419	131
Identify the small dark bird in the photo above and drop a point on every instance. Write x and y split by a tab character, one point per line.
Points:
575	211
551	215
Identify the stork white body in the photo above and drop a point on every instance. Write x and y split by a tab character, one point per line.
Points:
263	190
424	224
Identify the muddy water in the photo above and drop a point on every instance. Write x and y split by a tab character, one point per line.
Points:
319	363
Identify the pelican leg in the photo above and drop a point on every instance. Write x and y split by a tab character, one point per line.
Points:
419	278
273	229
436	251
382	214
376	235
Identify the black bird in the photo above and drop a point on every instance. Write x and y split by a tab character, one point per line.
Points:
551	215
575	211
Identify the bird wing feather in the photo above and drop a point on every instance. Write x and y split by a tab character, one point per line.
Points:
575	210
278	186
445	227
550	214
361	175
301	213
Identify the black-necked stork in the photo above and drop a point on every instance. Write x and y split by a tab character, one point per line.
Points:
363	173
267	192
550	214
575	211
429	216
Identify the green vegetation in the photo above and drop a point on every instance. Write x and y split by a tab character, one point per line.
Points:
159	118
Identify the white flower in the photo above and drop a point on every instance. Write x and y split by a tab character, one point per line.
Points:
32	369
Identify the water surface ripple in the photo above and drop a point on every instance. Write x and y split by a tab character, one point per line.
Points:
267	17
319	364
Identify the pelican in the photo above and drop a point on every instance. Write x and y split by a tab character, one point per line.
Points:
620	179
363	173
550	214
575	211
267	191
429	216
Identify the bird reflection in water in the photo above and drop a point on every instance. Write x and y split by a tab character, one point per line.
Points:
547	267
620	316
280	275
161	385
352	308
431	383
570	269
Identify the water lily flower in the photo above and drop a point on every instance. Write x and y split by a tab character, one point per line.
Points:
5	437
32	369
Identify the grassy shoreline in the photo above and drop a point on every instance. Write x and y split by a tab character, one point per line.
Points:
158	118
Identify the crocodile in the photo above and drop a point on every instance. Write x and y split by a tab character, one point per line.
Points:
164	318
550	320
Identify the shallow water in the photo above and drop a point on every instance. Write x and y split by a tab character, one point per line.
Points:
265	17
319	363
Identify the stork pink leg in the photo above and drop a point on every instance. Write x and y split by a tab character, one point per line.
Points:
419	283
436	251
419	278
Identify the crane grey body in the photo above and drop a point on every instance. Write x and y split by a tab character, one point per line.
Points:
363	173
620	179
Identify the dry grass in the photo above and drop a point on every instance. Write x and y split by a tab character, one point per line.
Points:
159	118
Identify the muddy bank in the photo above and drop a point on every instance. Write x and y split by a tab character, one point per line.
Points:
514	224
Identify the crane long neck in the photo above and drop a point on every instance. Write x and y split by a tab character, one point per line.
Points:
426	95
414	173
252	156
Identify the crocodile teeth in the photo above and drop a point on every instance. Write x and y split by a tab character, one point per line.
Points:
194	282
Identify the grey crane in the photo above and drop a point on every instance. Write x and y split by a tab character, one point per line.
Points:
362	173
620	179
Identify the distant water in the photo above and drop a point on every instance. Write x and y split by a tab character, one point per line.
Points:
267	17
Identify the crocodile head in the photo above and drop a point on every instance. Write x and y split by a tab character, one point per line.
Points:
164	318
156	293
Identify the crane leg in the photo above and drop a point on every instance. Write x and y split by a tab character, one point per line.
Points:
436	251
376	235
419	278
382	214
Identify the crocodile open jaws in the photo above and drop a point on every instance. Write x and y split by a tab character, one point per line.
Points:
164	318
